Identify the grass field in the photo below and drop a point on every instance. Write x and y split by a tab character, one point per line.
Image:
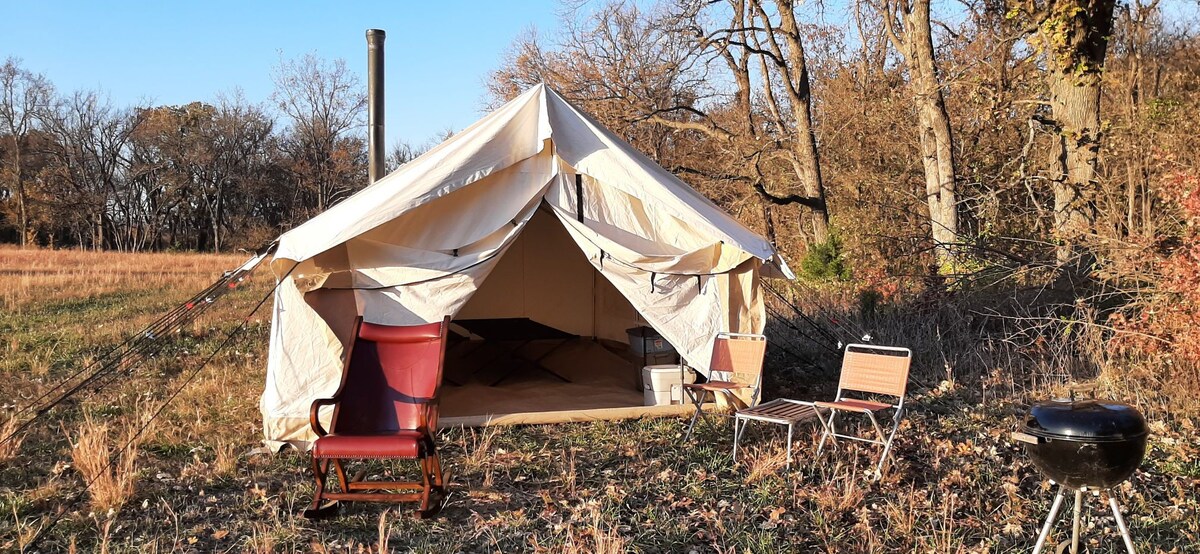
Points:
194	484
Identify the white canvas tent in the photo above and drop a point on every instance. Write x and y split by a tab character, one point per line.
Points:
500	202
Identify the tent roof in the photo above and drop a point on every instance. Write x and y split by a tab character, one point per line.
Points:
519	130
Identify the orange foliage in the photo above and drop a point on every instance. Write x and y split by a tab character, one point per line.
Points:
1168	323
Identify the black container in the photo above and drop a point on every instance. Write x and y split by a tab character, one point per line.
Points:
1085	443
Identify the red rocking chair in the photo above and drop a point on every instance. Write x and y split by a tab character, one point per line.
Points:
385	408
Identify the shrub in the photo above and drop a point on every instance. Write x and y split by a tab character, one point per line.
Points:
825	261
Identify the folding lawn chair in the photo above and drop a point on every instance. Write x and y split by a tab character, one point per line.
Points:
868	370
739	357
386	408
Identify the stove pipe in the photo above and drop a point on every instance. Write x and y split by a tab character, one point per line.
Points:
375	145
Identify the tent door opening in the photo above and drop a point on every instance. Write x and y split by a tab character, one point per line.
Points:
543	339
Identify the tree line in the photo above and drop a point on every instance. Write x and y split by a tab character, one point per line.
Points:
978	134
1018	132
78	171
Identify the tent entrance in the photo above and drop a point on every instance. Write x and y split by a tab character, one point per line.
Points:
543	340
602	384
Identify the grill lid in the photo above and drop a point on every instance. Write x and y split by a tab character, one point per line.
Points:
1085	420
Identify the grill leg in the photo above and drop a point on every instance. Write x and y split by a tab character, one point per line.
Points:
1075	522
1112	501
1058	499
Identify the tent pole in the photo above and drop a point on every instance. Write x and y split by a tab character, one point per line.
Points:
595	306
579	195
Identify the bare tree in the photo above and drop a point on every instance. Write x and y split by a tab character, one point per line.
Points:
1144	60
787	64
324	102
782	127
908	26
658	78
24	98
91	138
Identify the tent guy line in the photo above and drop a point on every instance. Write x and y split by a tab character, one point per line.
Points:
137	347
77	495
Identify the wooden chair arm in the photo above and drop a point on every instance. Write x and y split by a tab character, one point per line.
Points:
314	420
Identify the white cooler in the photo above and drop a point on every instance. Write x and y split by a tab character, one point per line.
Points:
663	384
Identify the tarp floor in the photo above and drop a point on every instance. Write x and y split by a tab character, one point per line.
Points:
603	385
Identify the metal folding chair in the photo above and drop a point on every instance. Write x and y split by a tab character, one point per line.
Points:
868	370
737	360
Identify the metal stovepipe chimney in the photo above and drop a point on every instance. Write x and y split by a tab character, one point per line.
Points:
375	144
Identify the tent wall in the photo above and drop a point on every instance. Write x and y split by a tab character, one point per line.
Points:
544	277
501	197
743	300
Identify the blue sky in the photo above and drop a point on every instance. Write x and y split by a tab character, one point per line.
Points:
437	53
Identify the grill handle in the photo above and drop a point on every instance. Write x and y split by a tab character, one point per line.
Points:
1026	438
1077	392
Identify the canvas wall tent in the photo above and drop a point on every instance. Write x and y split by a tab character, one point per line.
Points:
417	245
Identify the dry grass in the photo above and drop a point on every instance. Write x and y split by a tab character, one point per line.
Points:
956	484
225	458
761	462
477	444
108	466
32	275
597	537
24	531
12	439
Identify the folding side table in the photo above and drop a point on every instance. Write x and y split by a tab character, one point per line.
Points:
781	411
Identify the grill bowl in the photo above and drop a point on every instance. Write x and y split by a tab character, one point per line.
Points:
1085	443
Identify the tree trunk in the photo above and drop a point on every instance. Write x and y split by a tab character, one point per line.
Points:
933	130
769	223
98	233
1075	35
804	147
1076	109
22	196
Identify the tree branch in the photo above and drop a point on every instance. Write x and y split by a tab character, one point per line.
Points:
807	201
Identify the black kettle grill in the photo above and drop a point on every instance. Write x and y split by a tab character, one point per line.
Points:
1084	445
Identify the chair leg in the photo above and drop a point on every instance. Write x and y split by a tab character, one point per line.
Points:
319	468
885	440
827	431
436	462
788	464
739	427
427	488
341	474
316	510
887	447
698	403
833	427
708	418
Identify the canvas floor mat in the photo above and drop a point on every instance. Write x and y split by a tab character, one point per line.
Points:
601	376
